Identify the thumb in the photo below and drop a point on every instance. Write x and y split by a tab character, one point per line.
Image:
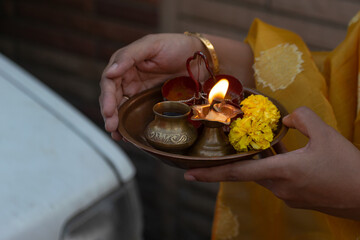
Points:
306	121
135	53
118	65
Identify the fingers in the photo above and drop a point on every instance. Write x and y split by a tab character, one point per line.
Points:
306	121
249	170
119	69
107	99
112	122
137	53
116	136
120	64
112	69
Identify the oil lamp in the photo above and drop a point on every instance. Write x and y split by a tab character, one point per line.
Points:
214	115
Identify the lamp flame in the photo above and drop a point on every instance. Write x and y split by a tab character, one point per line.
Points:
219	90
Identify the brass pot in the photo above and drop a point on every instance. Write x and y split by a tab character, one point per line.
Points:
170	131
212	142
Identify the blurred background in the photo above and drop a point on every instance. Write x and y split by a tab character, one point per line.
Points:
67	43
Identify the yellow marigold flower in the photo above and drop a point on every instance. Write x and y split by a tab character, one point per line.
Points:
255	129
262	109
247	133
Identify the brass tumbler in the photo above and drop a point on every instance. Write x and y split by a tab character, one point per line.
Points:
171	131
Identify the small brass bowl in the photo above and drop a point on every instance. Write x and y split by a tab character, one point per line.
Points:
137	113
170	130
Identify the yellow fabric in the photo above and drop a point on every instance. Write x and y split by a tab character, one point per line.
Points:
328	83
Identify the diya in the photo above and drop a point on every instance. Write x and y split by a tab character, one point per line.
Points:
214	115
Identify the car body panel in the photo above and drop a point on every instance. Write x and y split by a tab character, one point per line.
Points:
54	162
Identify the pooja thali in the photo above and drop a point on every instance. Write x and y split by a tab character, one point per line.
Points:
137	113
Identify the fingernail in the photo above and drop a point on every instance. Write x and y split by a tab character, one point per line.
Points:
189	177
112	67
286	117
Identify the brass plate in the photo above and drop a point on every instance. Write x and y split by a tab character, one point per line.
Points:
137	113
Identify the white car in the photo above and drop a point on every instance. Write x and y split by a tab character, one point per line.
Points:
61	178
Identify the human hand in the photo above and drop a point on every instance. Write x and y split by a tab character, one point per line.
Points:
323	175
139	66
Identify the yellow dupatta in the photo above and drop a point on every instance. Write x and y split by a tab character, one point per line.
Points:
328	83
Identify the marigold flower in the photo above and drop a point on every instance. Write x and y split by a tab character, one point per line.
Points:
247	133
261	109
255	129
